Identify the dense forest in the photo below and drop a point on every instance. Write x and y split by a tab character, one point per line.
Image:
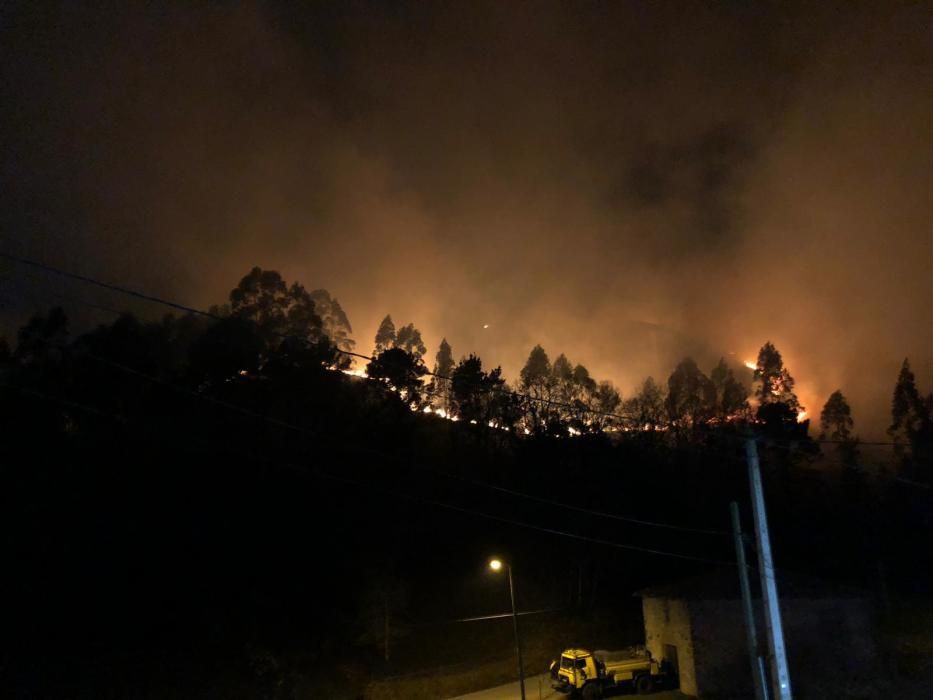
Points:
232	503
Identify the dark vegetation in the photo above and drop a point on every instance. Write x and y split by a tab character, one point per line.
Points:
207	507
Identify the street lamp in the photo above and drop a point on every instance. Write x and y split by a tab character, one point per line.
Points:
496	565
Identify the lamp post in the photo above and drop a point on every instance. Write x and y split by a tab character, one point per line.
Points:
496	565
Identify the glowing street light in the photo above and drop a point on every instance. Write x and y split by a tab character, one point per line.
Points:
496	565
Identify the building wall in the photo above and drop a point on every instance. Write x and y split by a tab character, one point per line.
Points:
721	658
667	622
827	640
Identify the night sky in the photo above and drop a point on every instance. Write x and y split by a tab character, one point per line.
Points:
625	182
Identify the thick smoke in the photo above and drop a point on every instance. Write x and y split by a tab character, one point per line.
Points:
622	182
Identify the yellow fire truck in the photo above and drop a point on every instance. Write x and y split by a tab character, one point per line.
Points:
581	673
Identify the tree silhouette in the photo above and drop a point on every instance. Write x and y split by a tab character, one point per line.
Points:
537	380
278	310
562	379
731	395
334	320
226	349
402	371
691	396
604	398
41	340
836	424
586	396
912	424
408	339
836	418
907	409
647	407
482	396
440	385
775	383
385	336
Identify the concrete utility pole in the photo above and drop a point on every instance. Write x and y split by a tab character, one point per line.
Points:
386	630
780	676
748	608
518	643
496	565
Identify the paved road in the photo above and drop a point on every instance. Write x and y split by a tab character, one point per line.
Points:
536	687
532	689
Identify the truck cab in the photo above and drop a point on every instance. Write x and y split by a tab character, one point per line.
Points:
576	667
579	672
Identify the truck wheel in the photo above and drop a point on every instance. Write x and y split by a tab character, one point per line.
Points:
591	691
644	685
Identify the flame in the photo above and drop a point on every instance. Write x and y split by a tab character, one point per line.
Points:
751	365
801	416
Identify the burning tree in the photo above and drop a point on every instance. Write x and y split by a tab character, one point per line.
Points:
775	384
646	408
402	371
482	396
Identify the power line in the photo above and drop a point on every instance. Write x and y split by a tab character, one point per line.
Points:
515	394
182	307
529	526
290	426
580	509
360	448
303	469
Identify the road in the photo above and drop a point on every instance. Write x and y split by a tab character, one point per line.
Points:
534	691
511	691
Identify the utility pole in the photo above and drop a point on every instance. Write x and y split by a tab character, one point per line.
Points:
780	676
386	630
518	643
758	676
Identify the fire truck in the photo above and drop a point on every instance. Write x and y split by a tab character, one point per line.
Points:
581	673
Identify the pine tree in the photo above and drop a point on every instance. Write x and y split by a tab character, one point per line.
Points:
912	425
691	396
776	385
443	368
836	424
537	381
334	319
646	408
836	418
907	409
482	396
408	339
385	336
731	394
562	378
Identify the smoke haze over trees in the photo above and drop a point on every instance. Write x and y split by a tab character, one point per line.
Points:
175	472
604	179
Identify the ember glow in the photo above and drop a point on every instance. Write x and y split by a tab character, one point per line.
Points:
531	194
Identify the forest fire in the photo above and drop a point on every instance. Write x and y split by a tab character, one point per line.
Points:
751	365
